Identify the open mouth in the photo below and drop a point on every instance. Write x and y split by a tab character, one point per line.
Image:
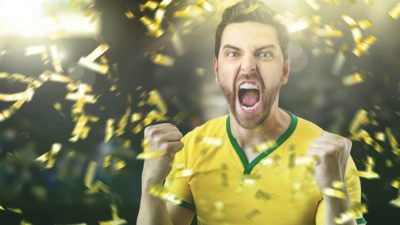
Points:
249	96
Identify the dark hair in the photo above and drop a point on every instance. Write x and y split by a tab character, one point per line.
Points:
256	11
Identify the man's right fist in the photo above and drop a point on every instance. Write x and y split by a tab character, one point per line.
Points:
163	137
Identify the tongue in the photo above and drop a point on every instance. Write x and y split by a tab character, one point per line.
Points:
249	98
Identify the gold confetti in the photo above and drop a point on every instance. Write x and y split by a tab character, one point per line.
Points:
115	218
192	11
394	13
56	58
136	117
129	14
388	163
109	130
340	59
119	164
89	60
395	184
151	5
96	53
380	136
353	79
159	16
369	172
96	67
22	97
150	155
164	3
365	24
265	146
184	173
49	157
356	211
159	192
81	131
313	5
106	161
155	99
176	41
123	122
81	97
16	210
164	60
89	176
298	26
392	141
93	187
59	78
362	47
57	106
153	27
360	119
395	202
212	141
334	193
35	50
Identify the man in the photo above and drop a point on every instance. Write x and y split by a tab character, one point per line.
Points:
252	166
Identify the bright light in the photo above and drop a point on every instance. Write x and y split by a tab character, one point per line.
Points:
40	18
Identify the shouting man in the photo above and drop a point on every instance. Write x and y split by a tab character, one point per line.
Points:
259	164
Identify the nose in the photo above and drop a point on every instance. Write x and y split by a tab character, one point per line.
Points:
248	65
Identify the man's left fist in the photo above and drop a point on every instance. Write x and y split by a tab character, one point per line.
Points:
332	152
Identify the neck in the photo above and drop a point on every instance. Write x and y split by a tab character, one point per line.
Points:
271	129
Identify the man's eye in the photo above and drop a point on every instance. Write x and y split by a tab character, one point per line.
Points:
265	54
232	54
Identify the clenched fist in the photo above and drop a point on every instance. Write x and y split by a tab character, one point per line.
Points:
161	137
332	152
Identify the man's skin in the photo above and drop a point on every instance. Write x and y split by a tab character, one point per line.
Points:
249	52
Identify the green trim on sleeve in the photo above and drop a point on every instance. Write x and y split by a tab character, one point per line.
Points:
361	221
248	167
188	205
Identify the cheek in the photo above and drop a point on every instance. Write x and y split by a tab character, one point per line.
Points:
271	75
226	75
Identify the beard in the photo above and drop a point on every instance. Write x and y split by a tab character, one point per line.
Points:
267	99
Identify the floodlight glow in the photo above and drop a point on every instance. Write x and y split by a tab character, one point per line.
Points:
40	18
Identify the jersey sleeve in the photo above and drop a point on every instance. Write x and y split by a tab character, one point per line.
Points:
176	182
353	189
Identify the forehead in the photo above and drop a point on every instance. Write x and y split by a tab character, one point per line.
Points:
249	34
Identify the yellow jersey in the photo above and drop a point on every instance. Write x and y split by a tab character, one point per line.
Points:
212	177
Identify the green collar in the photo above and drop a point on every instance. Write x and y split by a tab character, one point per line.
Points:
249	166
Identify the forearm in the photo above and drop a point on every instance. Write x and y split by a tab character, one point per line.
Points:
334	207
153	211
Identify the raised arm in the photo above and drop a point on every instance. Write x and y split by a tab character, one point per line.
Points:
154	211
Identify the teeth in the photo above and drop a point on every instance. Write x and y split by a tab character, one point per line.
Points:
248	86
248	108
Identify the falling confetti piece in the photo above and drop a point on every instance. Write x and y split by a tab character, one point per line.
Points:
356	211
353	79
369	172
362	47
152	26
164	60
394	13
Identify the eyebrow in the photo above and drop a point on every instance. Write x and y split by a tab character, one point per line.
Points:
258	49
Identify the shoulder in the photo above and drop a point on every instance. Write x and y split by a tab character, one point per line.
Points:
307	130
212	128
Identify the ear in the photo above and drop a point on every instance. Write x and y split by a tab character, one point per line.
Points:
286	71
215	67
